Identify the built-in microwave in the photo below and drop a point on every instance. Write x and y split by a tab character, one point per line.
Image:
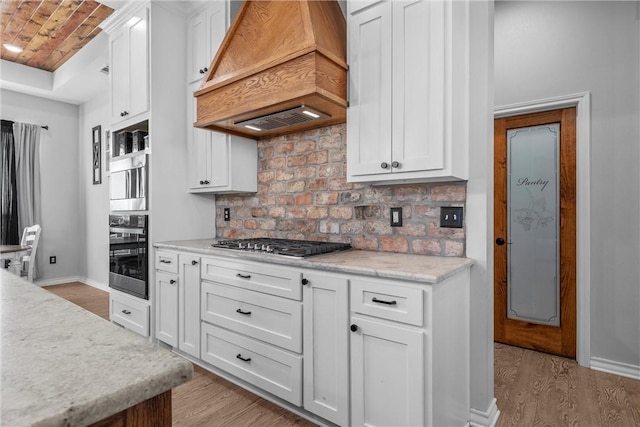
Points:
128	182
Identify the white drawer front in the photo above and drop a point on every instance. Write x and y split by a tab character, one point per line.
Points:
274	370
130	313
167	261
387	301
269	279
275	320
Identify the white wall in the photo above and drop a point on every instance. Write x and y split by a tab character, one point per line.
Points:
61	232
94	199
549	49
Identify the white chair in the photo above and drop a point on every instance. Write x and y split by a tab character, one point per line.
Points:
25	265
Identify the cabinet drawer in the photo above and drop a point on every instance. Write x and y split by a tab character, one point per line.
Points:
269	279
275	320
131	314
387	301
167	261
274	370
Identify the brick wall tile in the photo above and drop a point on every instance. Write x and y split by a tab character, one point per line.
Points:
303	194
394	244
426	246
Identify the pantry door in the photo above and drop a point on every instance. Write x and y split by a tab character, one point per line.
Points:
535	231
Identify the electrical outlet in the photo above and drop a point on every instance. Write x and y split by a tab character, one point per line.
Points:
227	214
451	217
52	260
396	217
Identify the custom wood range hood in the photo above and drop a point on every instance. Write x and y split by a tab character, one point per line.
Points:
281	68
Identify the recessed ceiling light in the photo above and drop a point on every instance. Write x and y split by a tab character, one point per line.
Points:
252	128
12	48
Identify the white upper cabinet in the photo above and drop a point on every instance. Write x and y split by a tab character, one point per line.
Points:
129	70
402	114
205	30
220	163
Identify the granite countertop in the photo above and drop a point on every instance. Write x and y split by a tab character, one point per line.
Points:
418	268
63	365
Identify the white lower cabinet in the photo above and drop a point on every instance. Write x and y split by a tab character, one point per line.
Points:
178	301
189	304
274	370
129	313
326	346
387	374
167	306
340	348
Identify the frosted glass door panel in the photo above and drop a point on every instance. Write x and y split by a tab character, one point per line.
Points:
533	284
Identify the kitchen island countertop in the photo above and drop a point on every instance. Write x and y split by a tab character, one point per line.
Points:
418	268
63	365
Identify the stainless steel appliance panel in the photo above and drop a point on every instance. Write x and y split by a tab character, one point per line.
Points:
128	183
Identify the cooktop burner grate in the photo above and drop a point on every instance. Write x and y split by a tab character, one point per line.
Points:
285	247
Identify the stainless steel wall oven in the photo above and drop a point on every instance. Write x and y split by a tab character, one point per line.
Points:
128	254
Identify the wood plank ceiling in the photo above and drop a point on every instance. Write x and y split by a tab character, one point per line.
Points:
49	31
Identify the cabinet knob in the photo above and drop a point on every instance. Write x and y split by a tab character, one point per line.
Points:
203	70
127	312
194	262
172	281
124	113
500	241
384	165
305	282
395	164
353	328
206	181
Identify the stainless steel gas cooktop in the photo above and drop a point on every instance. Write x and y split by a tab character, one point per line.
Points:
284	247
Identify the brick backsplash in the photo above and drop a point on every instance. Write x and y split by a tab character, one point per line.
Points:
303	194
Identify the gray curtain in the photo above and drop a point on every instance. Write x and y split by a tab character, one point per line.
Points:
10	232
27	143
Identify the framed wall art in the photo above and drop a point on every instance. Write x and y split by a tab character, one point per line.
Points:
97	155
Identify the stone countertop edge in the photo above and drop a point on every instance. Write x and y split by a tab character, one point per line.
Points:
64	366
413	267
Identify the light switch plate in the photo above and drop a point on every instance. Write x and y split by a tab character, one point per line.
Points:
451	217
396	217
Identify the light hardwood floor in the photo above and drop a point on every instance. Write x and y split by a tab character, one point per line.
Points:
532	389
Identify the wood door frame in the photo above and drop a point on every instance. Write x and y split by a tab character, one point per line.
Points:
582	102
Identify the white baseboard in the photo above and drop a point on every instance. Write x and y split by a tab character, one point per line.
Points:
62	280
58	281
487	418
616	368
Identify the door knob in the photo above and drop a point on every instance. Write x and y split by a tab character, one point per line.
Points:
500	241
353	328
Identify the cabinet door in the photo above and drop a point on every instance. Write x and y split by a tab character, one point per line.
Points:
387	374
218	175
129	70
206	30
418	85
370	79
189	305
199	147
138	63
119	74
197	48
326	347
167	306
